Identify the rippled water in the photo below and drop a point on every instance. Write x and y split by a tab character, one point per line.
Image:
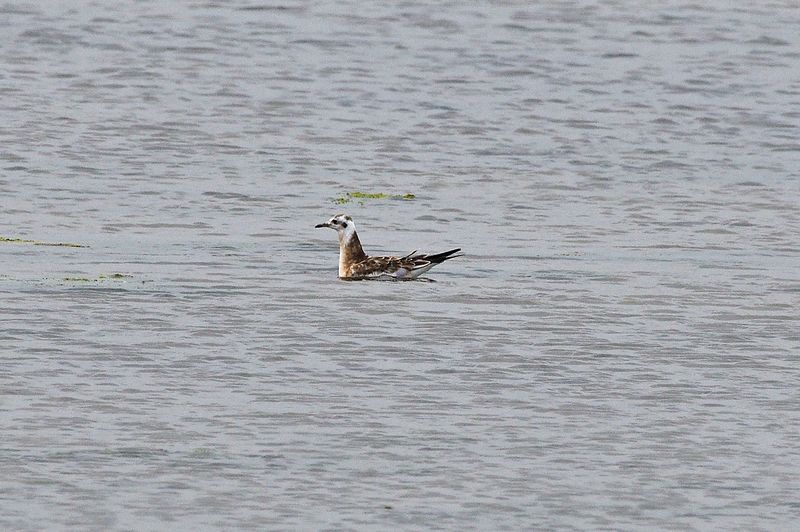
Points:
620	348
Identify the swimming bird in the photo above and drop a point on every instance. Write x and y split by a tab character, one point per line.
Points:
355	264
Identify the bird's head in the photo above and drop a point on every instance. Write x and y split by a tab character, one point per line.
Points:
342	223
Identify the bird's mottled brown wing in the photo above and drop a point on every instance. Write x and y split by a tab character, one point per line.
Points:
407	267
375	266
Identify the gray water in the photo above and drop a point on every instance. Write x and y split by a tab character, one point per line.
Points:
618	349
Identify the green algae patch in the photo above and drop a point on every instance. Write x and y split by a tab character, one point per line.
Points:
102	278
114	276
359	197
7	240
202	452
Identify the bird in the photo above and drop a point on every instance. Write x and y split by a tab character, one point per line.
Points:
355	264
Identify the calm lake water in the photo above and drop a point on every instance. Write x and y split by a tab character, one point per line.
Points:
618	349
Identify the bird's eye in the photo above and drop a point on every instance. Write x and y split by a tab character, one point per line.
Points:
344	224
335	222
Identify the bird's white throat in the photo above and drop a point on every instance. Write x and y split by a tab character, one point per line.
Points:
346	235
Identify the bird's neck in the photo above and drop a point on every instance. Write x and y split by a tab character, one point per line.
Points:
350	251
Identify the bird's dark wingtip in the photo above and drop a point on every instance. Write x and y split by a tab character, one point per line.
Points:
441	257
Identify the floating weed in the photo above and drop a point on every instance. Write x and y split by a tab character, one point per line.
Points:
7	240
368	195
202	452
115	276
349	197
103	277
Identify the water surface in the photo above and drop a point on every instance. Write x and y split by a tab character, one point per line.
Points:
618	349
